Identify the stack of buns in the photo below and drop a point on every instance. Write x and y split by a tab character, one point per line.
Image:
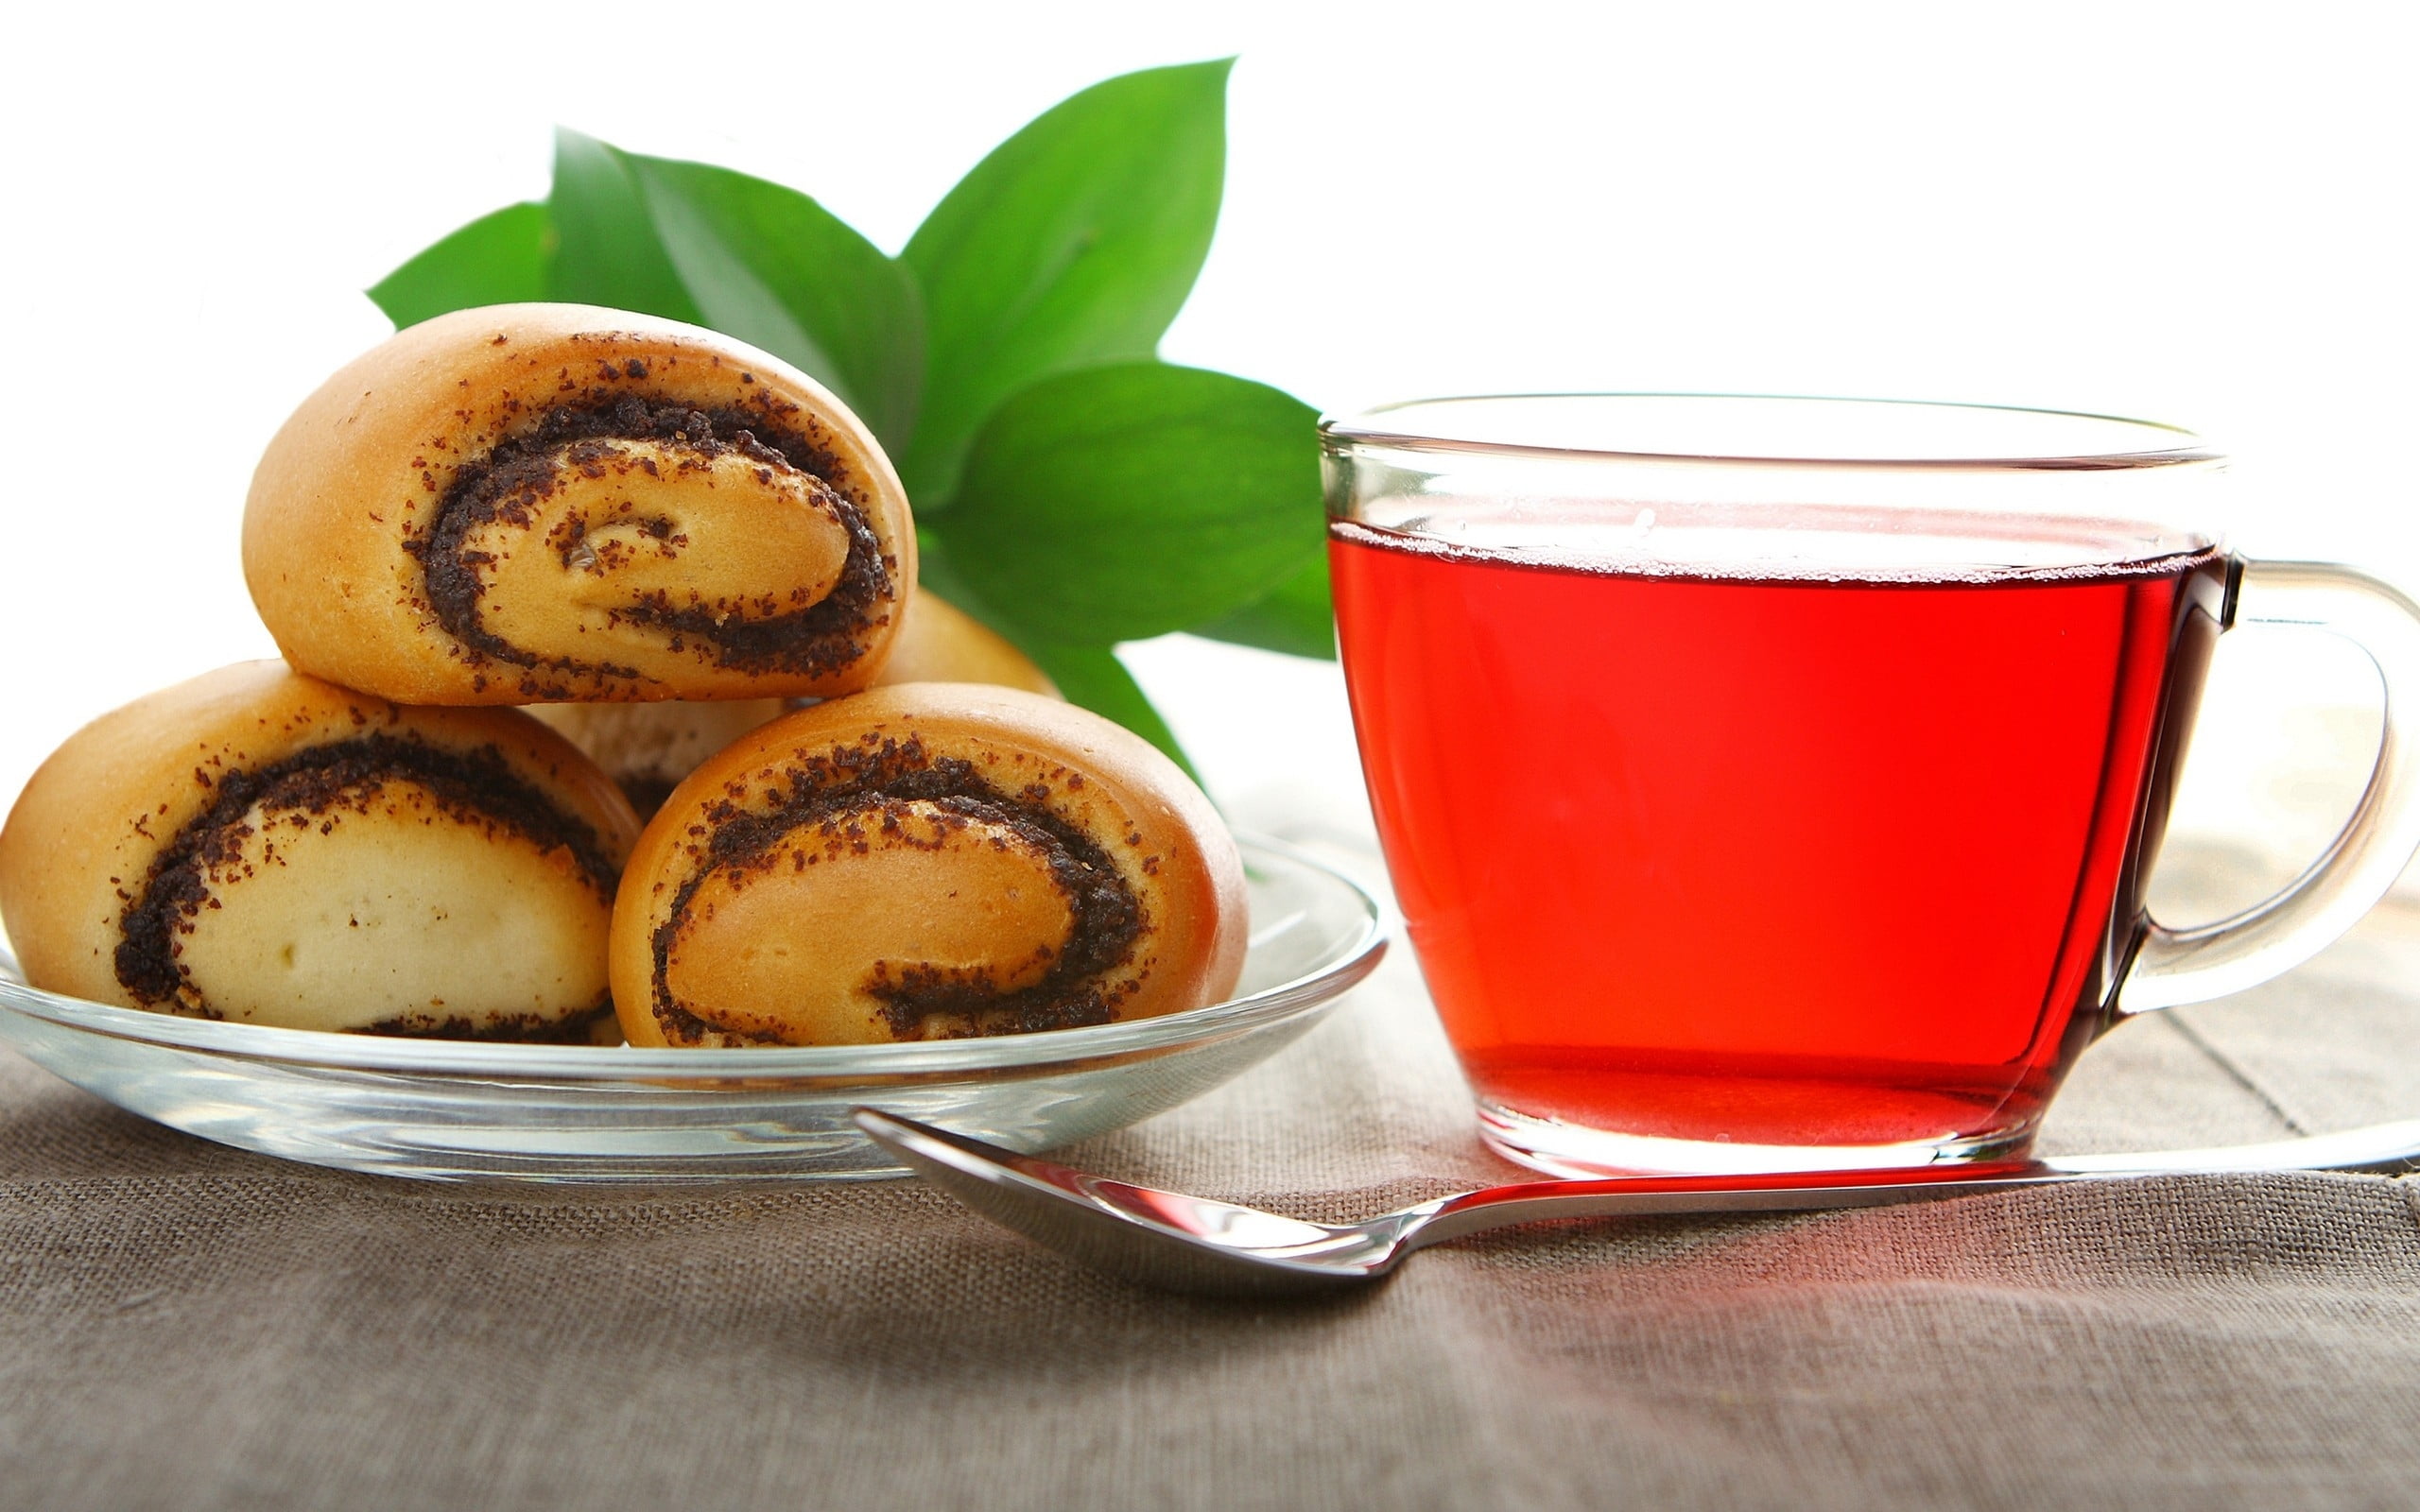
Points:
873	819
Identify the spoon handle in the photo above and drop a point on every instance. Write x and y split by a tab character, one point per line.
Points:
2378	1147
1639	1195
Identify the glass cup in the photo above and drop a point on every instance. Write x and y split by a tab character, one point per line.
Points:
1769	783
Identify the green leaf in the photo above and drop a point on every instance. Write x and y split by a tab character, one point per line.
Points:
771	267
1092	676
1297	618
501	258
1121	503
608	252
1073	243
935	571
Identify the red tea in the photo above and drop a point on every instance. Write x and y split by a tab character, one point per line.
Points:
1832	858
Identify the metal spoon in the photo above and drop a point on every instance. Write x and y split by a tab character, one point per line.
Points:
1187	1243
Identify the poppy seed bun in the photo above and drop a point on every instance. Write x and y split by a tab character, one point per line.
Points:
547	503
259	846
648	747
941	643
926	861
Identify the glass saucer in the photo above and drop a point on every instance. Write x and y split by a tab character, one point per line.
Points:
464	1110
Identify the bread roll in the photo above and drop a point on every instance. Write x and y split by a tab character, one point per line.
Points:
548	502
648	747
262	846
941	643
926	861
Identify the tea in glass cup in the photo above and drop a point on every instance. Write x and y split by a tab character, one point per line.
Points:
1771	783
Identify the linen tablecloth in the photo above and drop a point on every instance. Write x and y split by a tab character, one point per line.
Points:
183	1325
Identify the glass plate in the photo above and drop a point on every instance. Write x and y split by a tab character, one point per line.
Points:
464	1110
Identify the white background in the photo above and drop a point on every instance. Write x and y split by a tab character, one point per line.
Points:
2199	214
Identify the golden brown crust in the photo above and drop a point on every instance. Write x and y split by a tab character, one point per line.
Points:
648	747
941	643
924	861
342	537
82	848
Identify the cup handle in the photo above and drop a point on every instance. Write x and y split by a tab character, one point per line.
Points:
2180	966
